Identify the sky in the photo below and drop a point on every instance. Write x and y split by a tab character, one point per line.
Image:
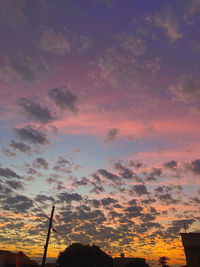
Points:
99	116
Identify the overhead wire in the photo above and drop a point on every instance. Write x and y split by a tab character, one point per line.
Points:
53	227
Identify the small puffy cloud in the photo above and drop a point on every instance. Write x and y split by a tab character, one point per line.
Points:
132	43
167	20
12	12
194	166
40	163
82	43
43	199
112	135
54	42
186	89
23	68
68	197
191	8
108	175
35	111
17	185
17	204
134	211
140	189
8	173
177	225
84	181
20	146
171	165
63	98
108	201
8	153
32	135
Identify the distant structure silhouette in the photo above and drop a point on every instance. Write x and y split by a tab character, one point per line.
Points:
78	255
8	259
191	243
123	261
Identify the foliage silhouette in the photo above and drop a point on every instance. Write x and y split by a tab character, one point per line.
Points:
163	261
78	255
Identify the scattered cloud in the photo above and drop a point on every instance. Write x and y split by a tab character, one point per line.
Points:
8	153
31	135
64	98
12	12
186	89
167	20
26	149
112	135
132	43
40	163
35	111
8	173
194	166
54	42
23	68
191	8
68	197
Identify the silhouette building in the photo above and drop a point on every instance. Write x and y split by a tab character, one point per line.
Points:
191	243
122	261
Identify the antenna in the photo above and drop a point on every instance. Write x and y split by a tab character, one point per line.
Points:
184	225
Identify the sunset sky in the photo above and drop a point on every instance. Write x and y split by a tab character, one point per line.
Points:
99	115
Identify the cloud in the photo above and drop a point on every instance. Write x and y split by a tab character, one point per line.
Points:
31	134
68	197
54	42
112	135
177	225
12	12
59	43
35	111
191	8
8	173
63	98
152	176
186	89
23	68
84	181
43	199
40	163
108	175
15	184
167	20
171	165
127	173
140	189
82	43
8	153
134	211
108	201
194	166
20	146
131	43
17	204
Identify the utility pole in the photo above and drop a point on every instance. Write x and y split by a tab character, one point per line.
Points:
48	236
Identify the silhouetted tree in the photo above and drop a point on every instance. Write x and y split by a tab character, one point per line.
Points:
78	255
163	261
137	263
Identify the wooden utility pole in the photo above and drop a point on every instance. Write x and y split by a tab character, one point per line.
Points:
48	236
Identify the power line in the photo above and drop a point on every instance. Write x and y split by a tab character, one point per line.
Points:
53	228
40	209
